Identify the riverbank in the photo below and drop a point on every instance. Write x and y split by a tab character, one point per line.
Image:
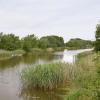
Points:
75	48
86	85
82	79
4	54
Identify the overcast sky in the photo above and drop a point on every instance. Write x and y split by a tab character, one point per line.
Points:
67	18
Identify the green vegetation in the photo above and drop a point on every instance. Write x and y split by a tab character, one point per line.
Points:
82	79
4	54
29	42
47	76
11	43
97	43
51	42
83	76
86	85
78	43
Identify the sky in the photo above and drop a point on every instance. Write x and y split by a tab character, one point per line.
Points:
66	18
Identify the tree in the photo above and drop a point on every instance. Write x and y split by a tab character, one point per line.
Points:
29	42
9	42
43	43
12	42
97	43
78	43
51	42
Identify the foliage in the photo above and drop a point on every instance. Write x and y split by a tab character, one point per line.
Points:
43	43
86	85
9	42
76	94
4	54
97	43
29	42
83	77
47	76
78	43
51	42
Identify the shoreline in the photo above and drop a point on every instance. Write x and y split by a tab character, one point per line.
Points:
4	54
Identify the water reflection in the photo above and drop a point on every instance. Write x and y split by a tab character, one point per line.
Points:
70	56
39	94
28	59
9	75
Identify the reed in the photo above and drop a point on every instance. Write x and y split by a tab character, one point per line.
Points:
47	76
86	85
4	54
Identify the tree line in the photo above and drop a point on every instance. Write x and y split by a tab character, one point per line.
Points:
13	42
78	43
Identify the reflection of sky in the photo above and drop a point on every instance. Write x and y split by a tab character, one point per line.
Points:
68	58
69	55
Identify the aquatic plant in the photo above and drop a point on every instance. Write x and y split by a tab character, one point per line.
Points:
4	54
47	76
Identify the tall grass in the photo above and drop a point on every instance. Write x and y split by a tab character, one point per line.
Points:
47	76
86	85
4	54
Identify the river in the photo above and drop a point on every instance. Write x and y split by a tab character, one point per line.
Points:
10	86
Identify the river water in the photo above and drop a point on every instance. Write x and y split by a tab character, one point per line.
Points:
10	86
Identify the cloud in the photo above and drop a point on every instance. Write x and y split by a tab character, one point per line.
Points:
68	18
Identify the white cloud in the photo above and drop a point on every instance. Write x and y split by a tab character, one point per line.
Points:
68	18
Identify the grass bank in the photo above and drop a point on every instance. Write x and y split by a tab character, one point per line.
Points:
59	49
86	85
75	48
4	54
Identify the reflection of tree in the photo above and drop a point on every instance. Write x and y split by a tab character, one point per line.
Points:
26	59
33	58
58	57
10	62
33	94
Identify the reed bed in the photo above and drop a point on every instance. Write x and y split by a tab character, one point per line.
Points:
4	54
47	76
